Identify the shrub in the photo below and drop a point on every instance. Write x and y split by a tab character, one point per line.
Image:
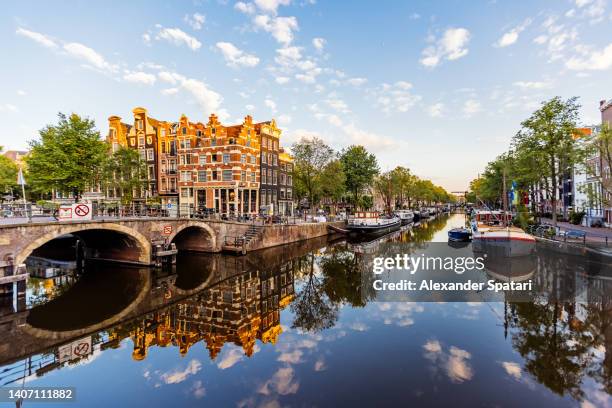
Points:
576	217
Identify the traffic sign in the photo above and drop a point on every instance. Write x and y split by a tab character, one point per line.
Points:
80	211
75	350
167	230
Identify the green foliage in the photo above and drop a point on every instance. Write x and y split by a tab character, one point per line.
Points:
8	173
360	167
311	157
67	156
125	172
576	217
366	202
334	179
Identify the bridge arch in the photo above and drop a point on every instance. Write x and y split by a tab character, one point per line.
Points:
99	237
194	236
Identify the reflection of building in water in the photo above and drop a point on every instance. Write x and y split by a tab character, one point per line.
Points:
239	310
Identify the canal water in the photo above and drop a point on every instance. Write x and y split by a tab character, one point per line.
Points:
291	326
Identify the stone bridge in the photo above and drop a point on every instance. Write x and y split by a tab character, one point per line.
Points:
126	240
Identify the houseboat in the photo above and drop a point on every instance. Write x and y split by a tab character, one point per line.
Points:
460	234
368	222
492	233
424	212
406	216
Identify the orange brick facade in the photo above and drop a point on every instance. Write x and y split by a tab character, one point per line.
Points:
203	168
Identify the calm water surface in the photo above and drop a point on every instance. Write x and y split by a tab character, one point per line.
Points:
291	327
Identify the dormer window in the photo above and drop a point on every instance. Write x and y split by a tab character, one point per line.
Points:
184	130
213	130
199	133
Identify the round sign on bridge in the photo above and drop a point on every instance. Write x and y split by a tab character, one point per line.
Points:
81	210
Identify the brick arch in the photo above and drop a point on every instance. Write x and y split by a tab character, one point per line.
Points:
143	244
198	225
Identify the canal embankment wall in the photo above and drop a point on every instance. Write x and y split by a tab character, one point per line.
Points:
280	234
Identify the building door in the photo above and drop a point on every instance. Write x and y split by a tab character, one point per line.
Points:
201	199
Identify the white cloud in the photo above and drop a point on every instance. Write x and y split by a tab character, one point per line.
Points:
249	107
42	39
593	60
270	104
209	100
282	80
235	57
178	376
246	8
89	56
457	367
140	78
169	91
7	107
284	119
452	46
281	28
395	97
338	105
414	16
471	106
21	92
196	20
146	39
582	3
178	37
293	357
435	110
532	84
271	6
319	43
230	357
512	36
356	81
432	346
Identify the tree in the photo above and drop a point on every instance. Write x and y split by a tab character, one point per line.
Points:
126	172
333	181
385	187
8	173
311	156
549	132
360	167
67	157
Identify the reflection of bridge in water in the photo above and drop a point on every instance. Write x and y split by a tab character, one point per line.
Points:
214	298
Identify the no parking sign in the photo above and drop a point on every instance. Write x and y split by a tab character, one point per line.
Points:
79	211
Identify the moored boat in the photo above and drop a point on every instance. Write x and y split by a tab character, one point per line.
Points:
424	213
367	222
406	216
491	232
460	234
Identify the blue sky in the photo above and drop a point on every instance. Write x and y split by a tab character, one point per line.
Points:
438	86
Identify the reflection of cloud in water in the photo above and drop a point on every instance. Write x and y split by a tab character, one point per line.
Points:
320	365
398	313
178	376
454	363
231	355
513	369
282	383
197	389
293	357
358	326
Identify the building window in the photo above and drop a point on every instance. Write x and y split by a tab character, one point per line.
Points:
288	194
243	158
263	197
289	168
263	158
141	141
214	175
270	158
202	160
275	157
275	177
253	177
282	179
213	130
253	159
227	175
202	176
142	153
185	176
199	133
263	177
163	132
289	180
214	157
226	158
150	154
243	175
184	130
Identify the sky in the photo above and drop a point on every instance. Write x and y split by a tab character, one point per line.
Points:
437	86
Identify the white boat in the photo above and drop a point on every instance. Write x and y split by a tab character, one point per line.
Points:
424	213
492	233
407	216
368	222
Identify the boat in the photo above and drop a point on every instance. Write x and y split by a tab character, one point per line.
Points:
406	216
433	211
368	222
424	213
492	233
417	216
460	234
